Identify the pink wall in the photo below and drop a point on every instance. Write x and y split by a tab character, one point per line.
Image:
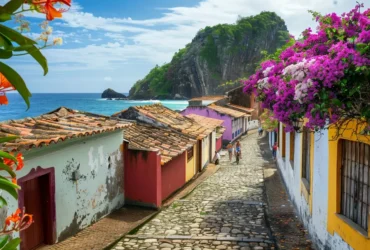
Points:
219	144
173	175
142	177
205	111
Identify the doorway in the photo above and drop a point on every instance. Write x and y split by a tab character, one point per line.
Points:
37	195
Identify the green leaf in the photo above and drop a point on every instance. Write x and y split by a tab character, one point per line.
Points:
7	156
13	244
9	187
23	47
13	5
22	40
5	17
15	36
5	54
2	203
5	42
336	102
7	169
8	139
3	240
16	80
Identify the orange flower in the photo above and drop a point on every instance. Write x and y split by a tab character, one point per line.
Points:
3	99
15	217
14	180
4	83
20	163
47	7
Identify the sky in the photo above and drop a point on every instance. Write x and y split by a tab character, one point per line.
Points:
114	43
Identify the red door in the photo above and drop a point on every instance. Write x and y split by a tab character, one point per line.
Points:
35	201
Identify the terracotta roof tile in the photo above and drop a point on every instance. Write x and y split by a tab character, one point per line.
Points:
209	98
55	127
207	122
227	111
168	141
174	120
240	108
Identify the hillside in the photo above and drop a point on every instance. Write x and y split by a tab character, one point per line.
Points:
216	55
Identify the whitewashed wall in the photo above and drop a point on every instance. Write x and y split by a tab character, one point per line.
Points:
291	173
252	124
100	188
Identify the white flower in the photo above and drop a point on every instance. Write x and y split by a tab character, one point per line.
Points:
58	41
49	30
267	71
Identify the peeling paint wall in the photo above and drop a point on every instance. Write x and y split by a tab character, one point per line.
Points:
99	189
316	223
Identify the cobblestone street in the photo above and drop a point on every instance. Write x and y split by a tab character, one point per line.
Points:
226	211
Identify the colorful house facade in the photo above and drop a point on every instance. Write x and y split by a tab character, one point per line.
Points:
327	175
214	124
160	116
73	173
158	161
235	122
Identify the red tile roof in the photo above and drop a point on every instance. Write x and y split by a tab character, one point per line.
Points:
227	111
209	98
241	108
174	120
54	127
207	122
210	123
168	141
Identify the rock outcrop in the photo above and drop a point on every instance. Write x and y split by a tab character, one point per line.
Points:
219	54
110	93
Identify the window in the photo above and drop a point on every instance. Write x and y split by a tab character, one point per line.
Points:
190	153
306	158
291	147
355	183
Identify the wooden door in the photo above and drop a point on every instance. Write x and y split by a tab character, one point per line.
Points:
210	149
35	201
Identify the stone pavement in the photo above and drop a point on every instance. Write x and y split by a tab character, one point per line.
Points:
226	211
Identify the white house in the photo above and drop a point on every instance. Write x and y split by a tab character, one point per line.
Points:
73	173
327	178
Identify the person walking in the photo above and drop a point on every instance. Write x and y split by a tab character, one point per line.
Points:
260	131
238	149
274	149
217	158
230	150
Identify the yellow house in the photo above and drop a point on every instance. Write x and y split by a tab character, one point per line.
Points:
191	162
327	175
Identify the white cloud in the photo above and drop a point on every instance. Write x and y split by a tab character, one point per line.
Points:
108	79
77	41
116	37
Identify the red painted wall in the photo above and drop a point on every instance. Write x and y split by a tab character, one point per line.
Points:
219	144
173	175
142	177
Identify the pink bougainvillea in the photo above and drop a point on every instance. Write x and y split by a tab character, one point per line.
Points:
322	77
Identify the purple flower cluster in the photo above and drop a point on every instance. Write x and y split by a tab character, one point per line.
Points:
320	77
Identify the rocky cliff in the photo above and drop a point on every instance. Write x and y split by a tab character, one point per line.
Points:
216	55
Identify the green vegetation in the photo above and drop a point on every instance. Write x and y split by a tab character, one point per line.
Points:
212	44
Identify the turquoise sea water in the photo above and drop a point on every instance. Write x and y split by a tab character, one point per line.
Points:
43	103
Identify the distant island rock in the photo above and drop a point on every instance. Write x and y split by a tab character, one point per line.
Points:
110	93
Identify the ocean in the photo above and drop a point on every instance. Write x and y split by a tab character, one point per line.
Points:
44	103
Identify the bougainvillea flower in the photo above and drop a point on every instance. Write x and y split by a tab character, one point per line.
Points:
321	76
5	86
